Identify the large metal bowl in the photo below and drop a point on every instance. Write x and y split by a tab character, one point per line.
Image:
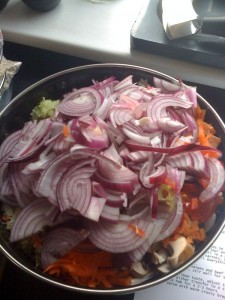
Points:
18	111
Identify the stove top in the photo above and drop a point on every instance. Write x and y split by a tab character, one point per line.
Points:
147	34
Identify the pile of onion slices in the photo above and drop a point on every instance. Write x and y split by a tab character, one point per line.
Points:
109	166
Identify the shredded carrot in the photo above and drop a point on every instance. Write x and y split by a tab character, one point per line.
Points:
66	130
190	229
200	113
89	269
194	203
137	230
211	153
206	134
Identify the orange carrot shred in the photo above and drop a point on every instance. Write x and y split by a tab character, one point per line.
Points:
66	130
137	230
89	269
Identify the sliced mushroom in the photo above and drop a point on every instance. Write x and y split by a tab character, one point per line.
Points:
181	250
164	268
138	270
160	256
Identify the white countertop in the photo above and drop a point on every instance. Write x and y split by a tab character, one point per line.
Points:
98	32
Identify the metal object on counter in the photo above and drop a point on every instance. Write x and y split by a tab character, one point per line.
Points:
180	19
42	5
8	69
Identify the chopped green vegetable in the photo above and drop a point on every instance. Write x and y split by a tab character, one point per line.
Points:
45	109
166	194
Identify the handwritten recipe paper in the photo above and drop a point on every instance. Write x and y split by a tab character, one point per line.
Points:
204	280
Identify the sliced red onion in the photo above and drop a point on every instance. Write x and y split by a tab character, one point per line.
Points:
146	170
157	107
112	172
156	177
116	199
8	144
31	140
61	144
119	115
33	219
106	86
193	162
60	241
6	193
134	146
95	138
84	101
35	167
95	208
110	213
191	94
126	82
153	197
138	253
103	110
134	92
166	86
50	177
21	184
141	139
171	126
176	178
57	130
98	190
88	132
216	179
117	185
119	237
74	189
173	219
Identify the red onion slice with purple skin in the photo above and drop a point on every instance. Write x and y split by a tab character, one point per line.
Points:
112	172
138	253
216	180
60	241
157	107
119	186
34	218
21	184
6	192
126	82
119	237
193	162
8	144
74	190
31	140
116	199
81	102
61	144
110	213
166	86
50	177
173	219
95	208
